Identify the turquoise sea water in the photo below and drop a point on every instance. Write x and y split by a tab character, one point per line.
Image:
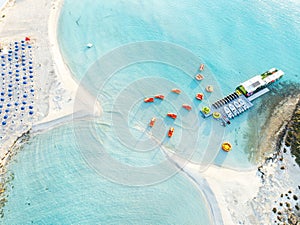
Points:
235	40
57	187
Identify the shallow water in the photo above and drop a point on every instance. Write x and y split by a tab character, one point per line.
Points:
54	185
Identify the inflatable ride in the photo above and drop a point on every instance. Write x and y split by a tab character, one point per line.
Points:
216	115
206	110
159	97
177	91
200	96
152	122
209	88
201	67
187	107
199	76
171	131
149	100
226	146
172	115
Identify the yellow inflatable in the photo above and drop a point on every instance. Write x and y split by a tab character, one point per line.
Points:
226	146
217	115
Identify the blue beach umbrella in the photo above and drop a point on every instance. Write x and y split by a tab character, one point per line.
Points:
17	65
9	95
9	72
24	77
31	76
7	110
30	67
30	107
1	106
29	46
3	64
31	90
30	112
5	117
16	104
2	99
25	96
24	103
30	71
3	123
2	56
24	82
8	105
22	108
24	69
17	79
2	93
17	71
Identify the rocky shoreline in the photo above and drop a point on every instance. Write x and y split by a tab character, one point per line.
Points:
268	120
293	133
280	175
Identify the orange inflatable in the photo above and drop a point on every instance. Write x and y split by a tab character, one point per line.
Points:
187	107
172	115
175	90
149	100
171	131
160	97
152	122
199	96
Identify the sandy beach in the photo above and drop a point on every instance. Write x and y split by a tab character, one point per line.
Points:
234	197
